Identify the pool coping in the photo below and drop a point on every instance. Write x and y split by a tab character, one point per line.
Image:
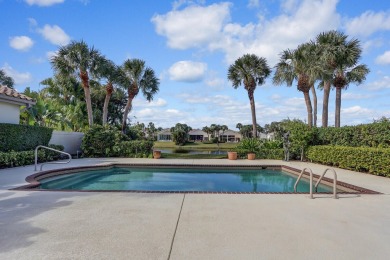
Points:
33	179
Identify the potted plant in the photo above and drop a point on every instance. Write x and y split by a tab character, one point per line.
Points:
156	154
249	146
232	155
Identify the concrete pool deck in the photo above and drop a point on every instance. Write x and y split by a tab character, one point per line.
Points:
93	225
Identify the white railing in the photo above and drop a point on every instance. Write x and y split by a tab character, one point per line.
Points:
51	149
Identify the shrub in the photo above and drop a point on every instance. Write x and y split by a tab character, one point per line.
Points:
135	148
15	159
365	159
23	137
275	154
102	141
376	134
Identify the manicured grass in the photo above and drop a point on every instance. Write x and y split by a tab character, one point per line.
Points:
224	146
193	156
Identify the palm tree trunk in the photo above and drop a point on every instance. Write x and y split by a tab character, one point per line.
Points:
106	101
253	110
313	91
309	108
87	92
132	92
338	107
325	104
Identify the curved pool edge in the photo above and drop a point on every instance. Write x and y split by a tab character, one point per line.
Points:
33	179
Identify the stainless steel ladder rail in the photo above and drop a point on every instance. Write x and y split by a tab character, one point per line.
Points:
334	181
51	149
311	181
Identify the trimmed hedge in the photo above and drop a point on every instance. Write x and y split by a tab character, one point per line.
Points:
363	159
376	134
136	148
23	137
272	154
15	159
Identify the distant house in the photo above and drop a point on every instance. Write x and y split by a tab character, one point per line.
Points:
197	135
10	103
164	135
230	136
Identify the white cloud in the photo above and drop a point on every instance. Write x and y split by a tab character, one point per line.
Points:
19	77
141	102
383	83
193	26
21	43
253	3
187	71
368	23
265	38
44	2
383	59
54	34
51	54
355	96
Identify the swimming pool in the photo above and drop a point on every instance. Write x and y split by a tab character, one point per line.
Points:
178	179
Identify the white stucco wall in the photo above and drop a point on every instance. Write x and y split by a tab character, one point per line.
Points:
70	140
9	113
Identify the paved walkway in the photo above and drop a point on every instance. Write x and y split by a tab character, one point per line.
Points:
77	225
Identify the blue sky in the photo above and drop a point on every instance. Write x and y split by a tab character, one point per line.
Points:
190	45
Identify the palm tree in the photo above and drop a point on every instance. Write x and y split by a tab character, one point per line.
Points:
79	60
238	126
110	72
136	76
6	80
208	131
300	65
347	71
331	45
249	70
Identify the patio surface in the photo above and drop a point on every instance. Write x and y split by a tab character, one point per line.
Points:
118	225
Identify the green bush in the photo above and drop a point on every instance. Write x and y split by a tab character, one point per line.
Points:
135	148
364	159
107	141
275	154
376	134
15	159
248	145
23	137
102	141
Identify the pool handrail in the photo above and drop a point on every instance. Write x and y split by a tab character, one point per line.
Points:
311	181
51	149
334	181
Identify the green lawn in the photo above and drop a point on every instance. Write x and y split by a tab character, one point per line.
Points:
200	146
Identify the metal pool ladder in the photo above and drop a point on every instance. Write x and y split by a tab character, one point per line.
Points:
334	181
311	181
318	181
51	149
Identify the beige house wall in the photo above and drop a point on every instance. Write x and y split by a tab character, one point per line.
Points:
9	113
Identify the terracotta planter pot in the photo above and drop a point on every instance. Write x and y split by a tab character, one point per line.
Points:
232	155
156	154
251	156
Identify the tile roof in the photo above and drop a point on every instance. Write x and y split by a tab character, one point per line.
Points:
12	93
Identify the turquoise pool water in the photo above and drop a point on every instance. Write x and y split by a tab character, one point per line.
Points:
178	179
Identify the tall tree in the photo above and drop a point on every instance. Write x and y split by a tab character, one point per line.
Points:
300	65
79	60
331	45
109	71
348	71
250	71
136	76
6	80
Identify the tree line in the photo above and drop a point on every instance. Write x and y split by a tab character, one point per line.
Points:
83	74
